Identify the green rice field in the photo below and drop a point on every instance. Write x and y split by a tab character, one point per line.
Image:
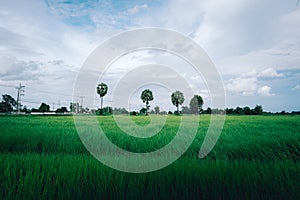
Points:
256	157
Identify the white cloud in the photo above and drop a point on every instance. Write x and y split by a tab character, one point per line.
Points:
13	69
248	83
265	91
276	46
270	72
297	87
281	57
33	33
180	15
222	30
242	85
137	8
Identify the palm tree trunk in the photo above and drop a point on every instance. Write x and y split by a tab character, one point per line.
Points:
101	102
147	107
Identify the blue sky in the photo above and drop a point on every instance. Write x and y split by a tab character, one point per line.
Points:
254	44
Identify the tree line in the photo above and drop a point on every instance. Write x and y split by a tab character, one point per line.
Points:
9	104
177	99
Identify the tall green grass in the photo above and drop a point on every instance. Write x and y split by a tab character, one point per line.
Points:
256	157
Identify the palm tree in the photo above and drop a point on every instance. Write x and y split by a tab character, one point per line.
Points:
147	96
102	91
177	99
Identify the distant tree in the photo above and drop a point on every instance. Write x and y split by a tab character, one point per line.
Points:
218	111
143	111
185	110
283	112
239	111
61	110
207	111
104	111
156	110
102	89
74	107
196	104
86	110
9	99
5	107
295	113
124	111
7	104
247	110
229	110
93	111
177	112
177	99
44	108
133	113
147	96
258	110
118	111
163	112
25	110
34	110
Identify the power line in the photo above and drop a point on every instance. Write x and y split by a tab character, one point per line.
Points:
81	101
60	94
29	101
21	91
10	86
47	92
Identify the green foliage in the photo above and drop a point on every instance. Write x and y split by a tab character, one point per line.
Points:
120	111
177	99
102	89
143	111
9	100
256	157
177	112
44	108
74	107
25	110
196	104
163	112
207	111
185	110
7	103
239	111
104	111
156	110
247	110
5	107
134	113
147	96
258	110
61	110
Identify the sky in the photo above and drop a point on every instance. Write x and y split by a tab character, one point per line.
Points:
254	44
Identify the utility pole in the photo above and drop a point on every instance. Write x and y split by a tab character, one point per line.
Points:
81	102
77	107
20	93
